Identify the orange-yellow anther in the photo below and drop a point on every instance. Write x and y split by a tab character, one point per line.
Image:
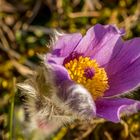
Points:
97	84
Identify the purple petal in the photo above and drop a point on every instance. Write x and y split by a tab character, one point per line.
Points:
60	73
124	70
49	58
78	99
66	44
111	109
99	42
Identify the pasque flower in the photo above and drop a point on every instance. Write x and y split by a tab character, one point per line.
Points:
103	65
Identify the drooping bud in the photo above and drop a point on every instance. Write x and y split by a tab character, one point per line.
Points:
78	99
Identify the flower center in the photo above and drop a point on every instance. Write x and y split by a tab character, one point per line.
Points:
87	72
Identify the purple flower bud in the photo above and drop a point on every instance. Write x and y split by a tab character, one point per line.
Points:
78	99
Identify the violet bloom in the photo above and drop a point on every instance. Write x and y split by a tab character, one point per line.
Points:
103	64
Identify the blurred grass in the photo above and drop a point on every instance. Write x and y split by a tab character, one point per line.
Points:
25	30
12	110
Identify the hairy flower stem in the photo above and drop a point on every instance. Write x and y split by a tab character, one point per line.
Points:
12	110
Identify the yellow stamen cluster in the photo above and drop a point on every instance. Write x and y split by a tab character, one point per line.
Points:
96	85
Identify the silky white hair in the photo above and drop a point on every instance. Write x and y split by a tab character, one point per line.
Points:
45	106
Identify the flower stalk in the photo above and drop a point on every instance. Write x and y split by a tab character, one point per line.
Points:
12	110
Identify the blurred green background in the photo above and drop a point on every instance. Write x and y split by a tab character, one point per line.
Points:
26	27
